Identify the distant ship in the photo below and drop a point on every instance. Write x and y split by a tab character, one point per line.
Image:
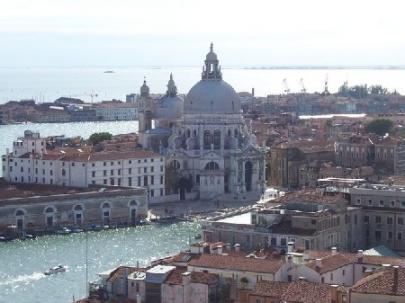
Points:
109	72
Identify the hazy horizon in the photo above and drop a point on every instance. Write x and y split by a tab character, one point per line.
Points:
67	33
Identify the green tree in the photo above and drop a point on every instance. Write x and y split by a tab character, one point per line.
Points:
379	126
99	137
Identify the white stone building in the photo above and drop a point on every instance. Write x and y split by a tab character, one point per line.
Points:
211	147
31	162
116	112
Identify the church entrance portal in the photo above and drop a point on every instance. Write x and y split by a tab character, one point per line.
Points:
248	175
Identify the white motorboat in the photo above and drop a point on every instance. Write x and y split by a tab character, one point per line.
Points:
55	270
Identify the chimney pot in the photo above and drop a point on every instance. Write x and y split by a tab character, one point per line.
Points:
318	264
360	256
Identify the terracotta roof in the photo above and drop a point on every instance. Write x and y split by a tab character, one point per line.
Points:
176	278
309	196
298	291
237	263
331	262
385	282
121	272
86	156
204	278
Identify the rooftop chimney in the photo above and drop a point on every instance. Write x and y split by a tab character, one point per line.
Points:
334	250
318	264
290	247
396	273
237	247
360	256
219	250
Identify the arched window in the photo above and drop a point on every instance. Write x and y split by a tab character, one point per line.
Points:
133	203
63	172
175	164
217	139
195	133
19	213
229	133
236	133
212	166
207	139
78	207
106	205
188	133
49	210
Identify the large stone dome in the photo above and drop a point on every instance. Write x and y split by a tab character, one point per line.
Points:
212	97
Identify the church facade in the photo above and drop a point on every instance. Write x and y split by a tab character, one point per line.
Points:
211	150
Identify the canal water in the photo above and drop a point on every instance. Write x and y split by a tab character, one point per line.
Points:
22	263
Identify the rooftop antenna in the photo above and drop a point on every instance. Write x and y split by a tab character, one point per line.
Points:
303	89
286	88
326	87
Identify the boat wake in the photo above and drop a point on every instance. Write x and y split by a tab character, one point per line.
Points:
22	279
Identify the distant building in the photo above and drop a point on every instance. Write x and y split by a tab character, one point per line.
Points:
31	162
309	219
116	111
386	285
297	164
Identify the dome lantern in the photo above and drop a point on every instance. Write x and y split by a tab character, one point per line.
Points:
144	89
211	70
171	87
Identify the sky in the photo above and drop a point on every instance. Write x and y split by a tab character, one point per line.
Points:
178	32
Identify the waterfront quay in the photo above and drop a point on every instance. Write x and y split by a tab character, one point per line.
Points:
43	208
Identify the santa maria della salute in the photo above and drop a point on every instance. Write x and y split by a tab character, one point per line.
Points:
209	149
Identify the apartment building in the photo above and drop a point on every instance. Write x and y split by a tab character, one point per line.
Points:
32	162
383	214
310	219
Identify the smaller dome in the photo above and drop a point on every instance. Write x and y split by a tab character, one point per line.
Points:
171	105
144	89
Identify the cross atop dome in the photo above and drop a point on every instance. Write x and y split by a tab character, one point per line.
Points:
211	70
171	87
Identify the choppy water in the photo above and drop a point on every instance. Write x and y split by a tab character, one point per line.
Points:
47	84
22	263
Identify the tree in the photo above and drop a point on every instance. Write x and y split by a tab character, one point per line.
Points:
379	126
99	137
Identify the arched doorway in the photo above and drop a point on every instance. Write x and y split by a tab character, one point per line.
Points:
50	216
185	184
248	175
78	214
106	213
132	211
19	216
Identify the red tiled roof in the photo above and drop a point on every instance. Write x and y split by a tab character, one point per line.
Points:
203	278
237	263
87	156
298	291
385	282
331	262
